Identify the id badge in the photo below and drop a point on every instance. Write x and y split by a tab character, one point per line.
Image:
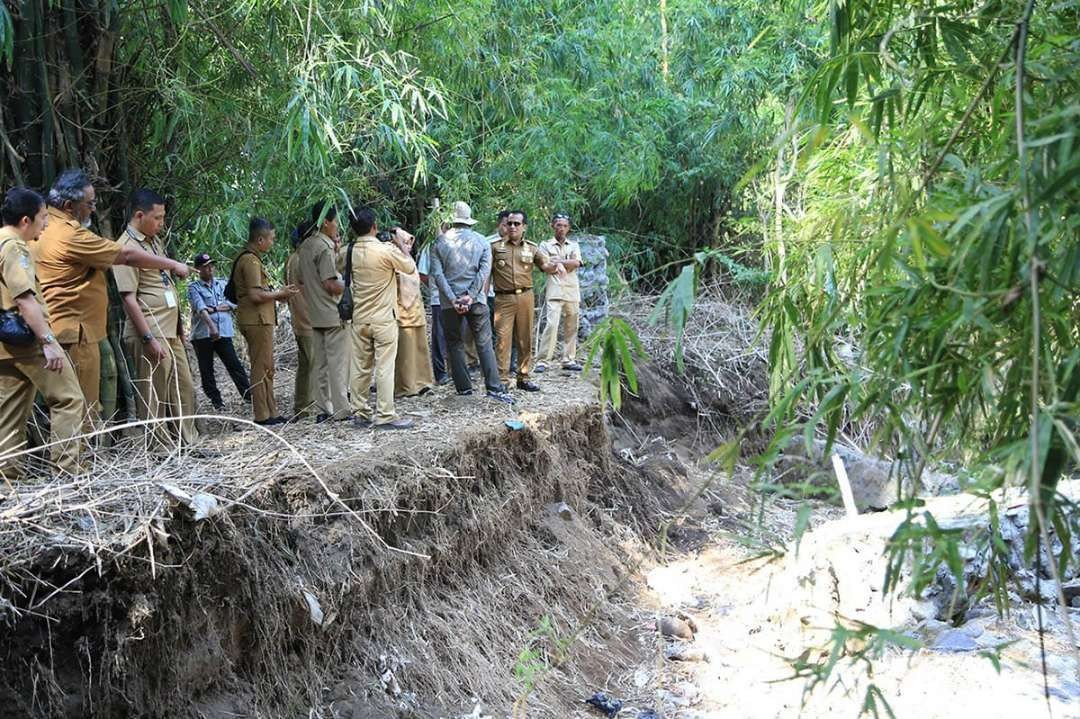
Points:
170	299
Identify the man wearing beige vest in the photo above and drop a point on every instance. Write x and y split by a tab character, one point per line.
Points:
375	292
562	296
152	333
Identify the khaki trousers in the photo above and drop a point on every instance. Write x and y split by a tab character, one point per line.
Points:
304	387
514	316
331	349
565	313
260	342
412	367
375	349
86	359
164	389
20	379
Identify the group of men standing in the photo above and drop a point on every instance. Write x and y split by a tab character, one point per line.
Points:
356	308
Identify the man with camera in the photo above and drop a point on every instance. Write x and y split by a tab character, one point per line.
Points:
375	265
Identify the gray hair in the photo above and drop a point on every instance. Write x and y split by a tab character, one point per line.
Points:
70	186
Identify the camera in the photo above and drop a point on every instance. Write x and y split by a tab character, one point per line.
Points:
384	236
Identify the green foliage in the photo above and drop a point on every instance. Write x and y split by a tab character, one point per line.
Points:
932	242
618	347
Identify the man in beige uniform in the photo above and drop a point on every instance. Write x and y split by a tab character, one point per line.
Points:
562	296
71	262
323	287
304	384
512	261
374	279
40	366
152	333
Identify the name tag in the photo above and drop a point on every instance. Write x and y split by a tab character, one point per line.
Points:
527	256
170	299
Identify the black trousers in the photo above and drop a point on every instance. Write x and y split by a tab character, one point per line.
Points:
205	349
438	344
480	324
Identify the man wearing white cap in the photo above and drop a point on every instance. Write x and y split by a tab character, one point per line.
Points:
460	264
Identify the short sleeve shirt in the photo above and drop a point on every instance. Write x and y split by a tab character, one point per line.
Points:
566	288
512	264
250	273
423	266
155	290
318	262
71	263
17	277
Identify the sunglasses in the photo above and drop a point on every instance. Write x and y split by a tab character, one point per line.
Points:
514	224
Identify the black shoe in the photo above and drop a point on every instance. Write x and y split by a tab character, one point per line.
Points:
465	393
361	423
322	417
270	422
395	424
572	367
528	386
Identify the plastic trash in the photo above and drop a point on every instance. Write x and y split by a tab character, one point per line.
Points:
604	703
515	424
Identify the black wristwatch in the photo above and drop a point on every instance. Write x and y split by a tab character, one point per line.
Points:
147	338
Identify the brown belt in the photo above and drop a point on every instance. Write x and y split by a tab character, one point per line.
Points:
518	291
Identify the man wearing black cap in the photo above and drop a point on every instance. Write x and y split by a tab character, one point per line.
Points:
212	331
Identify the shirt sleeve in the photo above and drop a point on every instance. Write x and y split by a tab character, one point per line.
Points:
196	298
483	272
89	249
400	262
14	273
247	274
326	265
575	253
423	265
127	278
540	258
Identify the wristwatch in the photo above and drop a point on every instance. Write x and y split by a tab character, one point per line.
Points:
147	338
48	339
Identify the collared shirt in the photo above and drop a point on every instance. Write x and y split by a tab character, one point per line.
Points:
298	312
318	262
423	266
250	273
512	264
460	262
374	280
207	296
155	290
17	277
71	263
568	287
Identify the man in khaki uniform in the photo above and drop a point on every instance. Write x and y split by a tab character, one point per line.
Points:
257	317
512	261
375	290
562	296
152	333
71	262
304	385
323	287
40	366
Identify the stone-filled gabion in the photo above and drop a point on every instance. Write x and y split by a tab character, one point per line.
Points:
594	282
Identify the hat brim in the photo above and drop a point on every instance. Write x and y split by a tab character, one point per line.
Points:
462	221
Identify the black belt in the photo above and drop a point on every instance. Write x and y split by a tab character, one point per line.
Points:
518	291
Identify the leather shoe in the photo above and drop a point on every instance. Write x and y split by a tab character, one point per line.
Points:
528	386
